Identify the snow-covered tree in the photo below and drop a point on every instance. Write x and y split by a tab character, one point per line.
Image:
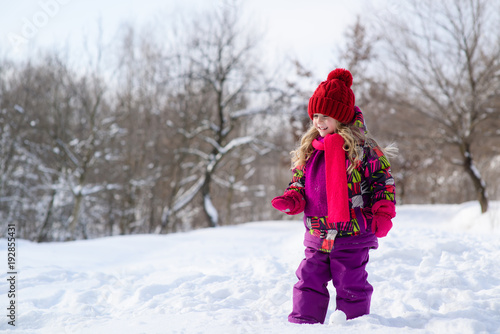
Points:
222	86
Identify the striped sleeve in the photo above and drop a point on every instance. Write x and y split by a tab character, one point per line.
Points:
379	176
298	180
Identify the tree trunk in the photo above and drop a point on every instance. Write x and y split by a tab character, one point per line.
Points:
473	172
208	208
111	216
75	216
43	235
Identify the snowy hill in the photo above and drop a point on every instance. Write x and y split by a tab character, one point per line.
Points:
437	272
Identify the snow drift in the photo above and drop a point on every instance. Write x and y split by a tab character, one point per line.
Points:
436	272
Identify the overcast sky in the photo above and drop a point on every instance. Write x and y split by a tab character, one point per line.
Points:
307	30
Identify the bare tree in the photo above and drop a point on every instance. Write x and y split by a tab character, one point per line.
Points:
176	136
221	74
445	65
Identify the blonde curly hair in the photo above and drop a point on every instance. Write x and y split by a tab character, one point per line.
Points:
353	136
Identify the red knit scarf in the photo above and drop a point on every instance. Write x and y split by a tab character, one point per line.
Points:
336	178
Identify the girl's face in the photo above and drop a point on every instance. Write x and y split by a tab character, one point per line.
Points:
326	125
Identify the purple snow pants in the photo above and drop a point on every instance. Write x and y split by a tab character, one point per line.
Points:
346	269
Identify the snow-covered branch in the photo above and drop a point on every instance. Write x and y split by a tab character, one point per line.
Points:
194	151
236	143
231	145
70	154
188	196
194	133
249	112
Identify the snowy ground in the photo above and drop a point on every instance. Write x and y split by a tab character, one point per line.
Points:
437	272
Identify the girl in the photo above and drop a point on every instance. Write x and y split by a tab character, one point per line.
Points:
342	183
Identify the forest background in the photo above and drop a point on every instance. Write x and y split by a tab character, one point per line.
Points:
189	124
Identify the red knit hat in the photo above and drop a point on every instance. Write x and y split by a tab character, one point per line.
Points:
334	97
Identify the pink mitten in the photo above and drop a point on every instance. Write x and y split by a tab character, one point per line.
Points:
381	224
383	212
291	203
